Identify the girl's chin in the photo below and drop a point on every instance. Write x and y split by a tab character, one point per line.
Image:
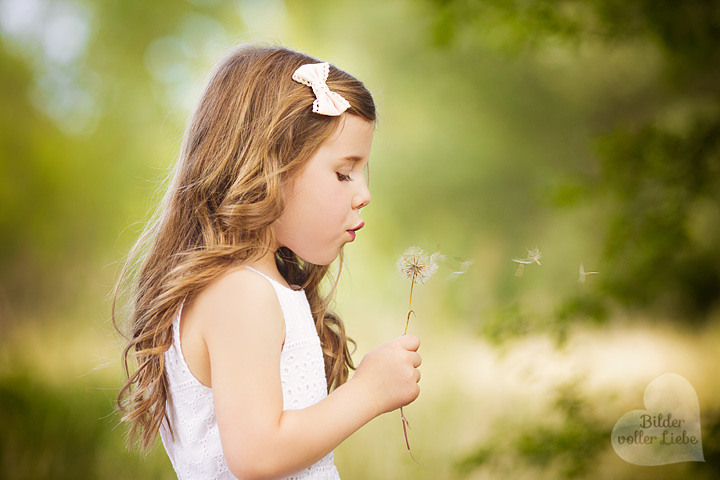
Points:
320	260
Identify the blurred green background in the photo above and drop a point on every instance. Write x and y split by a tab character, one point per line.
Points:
587	129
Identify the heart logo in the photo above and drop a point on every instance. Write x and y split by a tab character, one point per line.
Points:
668	431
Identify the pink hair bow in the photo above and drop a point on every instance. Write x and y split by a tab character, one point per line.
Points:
315	75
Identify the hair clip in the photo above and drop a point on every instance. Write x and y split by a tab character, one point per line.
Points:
326	102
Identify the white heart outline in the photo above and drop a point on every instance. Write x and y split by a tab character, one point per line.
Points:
674	397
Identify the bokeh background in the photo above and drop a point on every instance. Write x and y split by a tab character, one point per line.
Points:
589	129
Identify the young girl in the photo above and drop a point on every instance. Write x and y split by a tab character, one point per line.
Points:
236	349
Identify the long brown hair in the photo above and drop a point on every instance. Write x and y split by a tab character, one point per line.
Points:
251	132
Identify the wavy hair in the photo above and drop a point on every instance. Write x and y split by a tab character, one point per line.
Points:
251	133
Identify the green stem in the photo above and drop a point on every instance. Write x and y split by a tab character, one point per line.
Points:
407	322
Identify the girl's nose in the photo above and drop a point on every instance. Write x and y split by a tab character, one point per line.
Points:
362	197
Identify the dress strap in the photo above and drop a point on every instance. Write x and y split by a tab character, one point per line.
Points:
176	323
260	273
274	282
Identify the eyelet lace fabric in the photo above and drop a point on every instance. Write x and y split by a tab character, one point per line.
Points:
196	451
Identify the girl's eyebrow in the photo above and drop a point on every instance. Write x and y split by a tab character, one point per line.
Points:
353	158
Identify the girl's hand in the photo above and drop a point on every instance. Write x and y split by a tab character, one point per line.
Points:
390	373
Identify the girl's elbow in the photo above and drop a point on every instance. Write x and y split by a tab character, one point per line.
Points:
249	467
246	474
249	472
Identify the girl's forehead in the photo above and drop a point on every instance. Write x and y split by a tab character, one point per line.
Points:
351	140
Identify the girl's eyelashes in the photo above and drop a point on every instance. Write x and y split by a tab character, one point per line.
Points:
342	177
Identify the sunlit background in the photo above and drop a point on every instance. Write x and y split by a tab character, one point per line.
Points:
589	130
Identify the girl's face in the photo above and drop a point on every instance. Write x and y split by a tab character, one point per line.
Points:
322	210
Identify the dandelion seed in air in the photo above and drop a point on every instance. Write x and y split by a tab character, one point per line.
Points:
460	269
584	274
533	256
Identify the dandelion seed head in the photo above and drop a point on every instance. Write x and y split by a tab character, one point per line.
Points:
415	265
533	256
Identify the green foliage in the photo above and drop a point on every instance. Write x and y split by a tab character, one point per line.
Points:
515	21
65	433
506	322
35	202
660	166
514	319
586	307
572	445
42	434
571	439
491	131
687	30
81	139
657	181
710	468
579	438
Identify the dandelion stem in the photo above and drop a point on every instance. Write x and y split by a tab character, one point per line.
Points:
407	322
414	265
405	423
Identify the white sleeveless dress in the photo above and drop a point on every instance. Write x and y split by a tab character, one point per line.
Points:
196	452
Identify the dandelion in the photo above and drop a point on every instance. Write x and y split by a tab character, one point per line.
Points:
416	266
533	257
584	274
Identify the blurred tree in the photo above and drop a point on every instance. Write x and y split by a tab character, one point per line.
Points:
65	432
574	444
77	131
571	440
659	165
85	113
39	192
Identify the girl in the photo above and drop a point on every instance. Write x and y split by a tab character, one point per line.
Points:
236	349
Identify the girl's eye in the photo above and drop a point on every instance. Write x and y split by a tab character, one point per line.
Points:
342	177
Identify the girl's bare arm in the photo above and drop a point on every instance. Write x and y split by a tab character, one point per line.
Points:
242	325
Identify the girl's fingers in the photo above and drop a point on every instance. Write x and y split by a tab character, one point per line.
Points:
409	342
417	360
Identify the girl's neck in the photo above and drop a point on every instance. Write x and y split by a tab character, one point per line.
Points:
266	265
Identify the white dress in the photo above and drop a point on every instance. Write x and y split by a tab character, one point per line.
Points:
196	452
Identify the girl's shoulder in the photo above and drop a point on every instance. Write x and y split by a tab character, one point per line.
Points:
239	276
236	315
234	301
236	290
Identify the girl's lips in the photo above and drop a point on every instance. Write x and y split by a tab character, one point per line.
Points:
352	231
